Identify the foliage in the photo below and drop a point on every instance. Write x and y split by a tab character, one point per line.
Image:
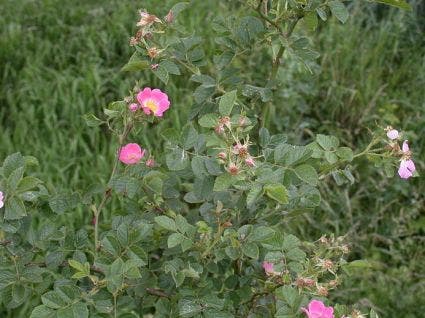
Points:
191	233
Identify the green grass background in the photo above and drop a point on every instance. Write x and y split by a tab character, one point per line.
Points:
60	60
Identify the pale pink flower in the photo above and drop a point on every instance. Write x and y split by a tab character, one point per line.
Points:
268	267
1	199
153	101
133	107
393	134
317	309
407	166
250	162
131	154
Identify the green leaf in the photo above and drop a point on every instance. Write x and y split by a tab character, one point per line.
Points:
92	121
310	20
345	153
253	195
402	4
14	209
76	310
166	222
327	142
208	120
53	299
171	67
15	177
64	202
251	250
135	64
331	157
224	181
307	173
28	183
277	192
43	311
77	265
179	7
177	159
175	239
261	233
226	103
18	293
189	308
11	163
339	10
162	73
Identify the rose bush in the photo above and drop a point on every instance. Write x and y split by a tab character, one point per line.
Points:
199	231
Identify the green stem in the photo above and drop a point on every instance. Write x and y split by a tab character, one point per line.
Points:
97	211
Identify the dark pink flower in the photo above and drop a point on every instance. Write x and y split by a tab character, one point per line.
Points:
317	309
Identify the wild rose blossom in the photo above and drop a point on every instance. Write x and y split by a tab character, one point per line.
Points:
131	154
393	134
268	267
1	199
153	101
407	166
317	309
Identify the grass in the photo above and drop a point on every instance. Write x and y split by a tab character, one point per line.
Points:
60	60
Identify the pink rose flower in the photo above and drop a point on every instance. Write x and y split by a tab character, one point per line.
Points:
153	101
407	166
317	309
392	134
131	154
1	200
133	107
268	267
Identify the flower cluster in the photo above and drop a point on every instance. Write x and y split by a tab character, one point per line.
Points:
145	23
152	102
407	166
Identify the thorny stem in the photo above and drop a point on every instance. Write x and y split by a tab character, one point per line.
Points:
97	211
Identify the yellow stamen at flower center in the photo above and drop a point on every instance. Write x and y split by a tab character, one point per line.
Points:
152	105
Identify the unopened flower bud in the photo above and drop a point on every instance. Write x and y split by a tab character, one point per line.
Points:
133	41
322	291
222	155
150	162
327	264
133	107
225	121
305	282
169	18
242	121
233	169
323	240
153	52
250	162
333	283
219	130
